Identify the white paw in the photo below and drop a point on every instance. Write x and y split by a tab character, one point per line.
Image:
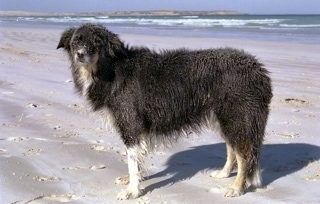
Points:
232	192
219	174
123	180
128	194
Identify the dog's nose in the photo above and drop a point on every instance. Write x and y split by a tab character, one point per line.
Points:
80	53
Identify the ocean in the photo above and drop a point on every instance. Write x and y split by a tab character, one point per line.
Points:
288	28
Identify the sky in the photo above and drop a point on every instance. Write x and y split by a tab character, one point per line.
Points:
244	6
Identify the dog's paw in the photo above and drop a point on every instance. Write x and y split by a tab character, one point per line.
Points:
232	192
128	194
219	174
123	180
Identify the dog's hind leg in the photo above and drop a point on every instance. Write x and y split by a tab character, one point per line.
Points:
135	155
239	184
243	132
229	165
248	169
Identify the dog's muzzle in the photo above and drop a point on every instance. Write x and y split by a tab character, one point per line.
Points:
82	56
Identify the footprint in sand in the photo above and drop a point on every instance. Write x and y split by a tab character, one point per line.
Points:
32	152
100	148
297	102
217	190
55	198
288	134
97	167
7	125
58	127
315	177
97	141
94	167
74	168
263	189
32	105
15	139
2	151
69	143
143	200
61	198
222	190
67	134
47	179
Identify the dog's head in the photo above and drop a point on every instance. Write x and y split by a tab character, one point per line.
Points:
86	44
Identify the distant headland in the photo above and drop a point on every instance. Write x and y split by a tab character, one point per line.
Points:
126	13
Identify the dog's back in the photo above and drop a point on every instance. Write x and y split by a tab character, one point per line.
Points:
180	88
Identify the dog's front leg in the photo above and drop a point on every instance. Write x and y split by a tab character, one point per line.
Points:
133	189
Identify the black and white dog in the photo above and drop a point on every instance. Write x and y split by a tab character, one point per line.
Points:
157	96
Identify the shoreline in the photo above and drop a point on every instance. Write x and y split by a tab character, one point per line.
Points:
273	28
202	41
55	150
126	13
170	33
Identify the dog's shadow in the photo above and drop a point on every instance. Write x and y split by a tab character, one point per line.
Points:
277	160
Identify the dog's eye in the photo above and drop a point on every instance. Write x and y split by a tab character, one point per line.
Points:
80	38
97	41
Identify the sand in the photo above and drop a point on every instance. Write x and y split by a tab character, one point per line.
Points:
53	150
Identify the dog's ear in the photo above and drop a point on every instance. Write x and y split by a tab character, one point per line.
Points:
66	38
115	46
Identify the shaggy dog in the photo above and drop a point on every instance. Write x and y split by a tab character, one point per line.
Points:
156	96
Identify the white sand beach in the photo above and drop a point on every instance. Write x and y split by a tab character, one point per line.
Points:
53	150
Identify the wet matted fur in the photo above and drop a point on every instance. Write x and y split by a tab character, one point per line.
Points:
157	96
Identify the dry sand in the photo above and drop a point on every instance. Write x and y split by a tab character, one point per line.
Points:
53	150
